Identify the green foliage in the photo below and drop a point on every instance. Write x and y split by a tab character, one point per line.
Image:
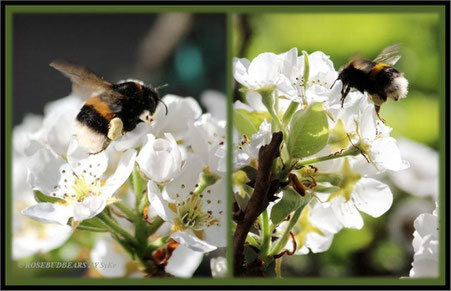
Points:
309	132
41	197
348	241
247	123
290	201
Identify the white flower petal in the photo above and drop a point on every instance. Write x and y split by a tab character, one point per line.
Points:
346	213
372	197
386	154
132	139
240	67
123	171
89	207
50	212
180	112
186	182
324	218
158	203
254	99
183	262
264	69
318	243
192	242
44	170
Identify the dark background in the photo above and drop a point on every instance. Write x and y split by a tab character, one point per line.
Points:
187	51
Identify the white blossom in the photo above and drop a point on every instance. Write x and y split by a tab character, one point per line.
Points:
218	267
197	217
160	159
80	184
426	246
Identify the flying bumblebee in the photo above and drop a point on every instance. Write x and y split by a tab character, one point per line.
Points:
111	110
378	78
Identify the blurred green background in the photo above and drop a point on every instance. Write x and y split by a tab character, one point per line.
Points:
375	250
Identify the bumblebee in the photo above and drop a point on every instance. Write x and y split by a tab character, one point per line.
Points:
111	110
378	78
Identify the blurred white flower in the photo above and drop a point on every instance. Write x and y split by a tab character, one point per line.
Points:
160	159
29	236
57	126
78	183
426	246
400	225
216	103
218	267
22	133
111	260
421	179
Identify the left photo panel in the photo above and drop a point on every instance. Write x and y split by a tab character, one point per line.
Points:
119	164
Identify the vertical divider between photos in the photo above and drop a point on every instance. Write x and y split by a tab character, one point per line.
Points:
229	90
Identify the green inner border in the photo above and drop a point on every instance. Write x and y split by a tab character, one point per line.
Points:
11	9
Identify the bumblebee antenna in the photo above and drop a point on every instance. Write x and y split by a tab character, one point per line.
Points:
161	86
159	100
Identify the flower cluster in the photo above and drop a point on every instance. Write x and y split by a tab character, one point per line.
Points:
426	246
332	158
159	190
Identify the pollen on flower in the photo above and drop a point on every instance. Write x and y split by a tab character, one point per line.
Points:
83	189
192	215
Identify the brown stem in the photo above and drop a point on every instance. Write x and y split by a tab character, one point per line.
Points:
259	201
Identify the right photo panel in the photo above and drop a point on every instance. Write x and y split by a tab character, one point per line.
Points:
336	131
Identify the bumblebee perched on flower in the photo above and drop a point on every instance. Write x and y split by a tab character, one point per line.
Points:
378	78
111	110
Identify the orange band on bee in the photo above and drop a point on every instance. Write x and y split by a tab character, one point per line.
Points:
140	88
377	68
101	107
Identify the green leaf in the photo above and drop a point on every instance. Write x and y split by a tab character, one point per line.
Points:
41	197
309	132
250	171
290	201
247	123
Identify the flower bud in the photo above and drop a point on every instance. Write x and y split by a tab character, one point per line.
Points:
160	159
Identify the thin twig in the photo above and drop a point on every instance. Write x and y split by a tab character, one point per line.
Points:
259	200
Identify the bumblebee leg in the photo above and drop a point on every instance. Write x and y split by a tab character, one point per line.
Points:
344	93
116	128
104	146
378	108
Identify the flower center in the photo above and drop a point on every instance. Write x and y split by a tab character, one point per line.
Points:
192	215
349	179
83	189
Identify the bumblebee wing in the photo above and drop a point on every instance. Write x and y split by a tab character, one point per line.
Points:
113	99
84	82
362	65
389	55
